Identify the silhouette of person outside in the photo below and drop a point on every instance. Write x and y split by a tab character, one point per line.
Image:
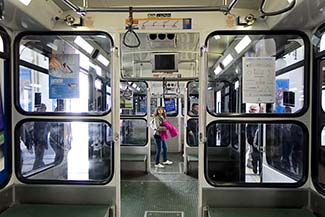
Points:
57	137
250	134
40	135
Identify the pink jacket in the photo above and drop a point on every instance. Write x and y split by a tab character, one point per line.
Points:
172	130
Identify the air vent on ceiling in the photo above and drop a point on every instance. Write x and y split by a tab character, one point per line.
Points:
162	40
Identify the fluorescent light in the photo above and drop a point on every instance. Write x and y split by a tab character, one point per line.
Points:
243	44
217	70
84	44
236	84
216	37
98	84
210	88
290	1
227	60
53	46
103	60
25	2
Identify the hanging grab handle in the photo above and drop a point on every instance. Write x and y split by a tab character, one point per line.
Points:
130	31
278	12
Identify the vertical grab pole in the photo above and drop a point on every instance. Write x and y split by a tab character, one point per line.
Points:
179	122
202	124
148	127
185	129
116	126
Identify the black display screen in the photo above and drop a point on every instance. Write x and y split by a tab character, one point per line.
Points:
165	62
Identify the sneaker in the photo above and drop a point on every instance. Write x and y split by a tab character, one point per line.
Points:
159	165
167	162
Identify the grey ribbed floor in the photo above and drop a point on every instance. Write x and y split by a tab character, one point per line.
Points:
169	190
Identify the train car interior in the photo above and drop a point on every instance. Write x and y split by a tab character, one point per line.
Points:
162	108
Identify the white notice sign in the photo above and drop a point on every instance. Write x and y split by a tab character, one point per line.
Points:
258	79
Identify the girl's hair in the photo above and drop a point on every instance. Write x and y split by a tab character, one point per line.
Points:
155	114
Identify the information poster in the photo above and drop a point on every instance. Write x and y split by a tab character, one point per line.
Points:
258	79
64	76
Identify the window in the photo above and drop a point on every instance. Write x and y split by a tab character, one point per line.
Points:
318	157
5	154
193	98
65	151
192	132
268	68
59	71
133	132
59	76
257	74
275	153
133	98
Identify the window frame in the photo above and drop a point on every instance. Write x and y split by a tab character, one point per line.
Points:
138	116
306	65
17	63
318	114
305	173
6	106
147	134
25	180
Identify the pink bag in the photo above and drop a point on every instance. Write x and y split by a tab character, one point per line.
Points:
172	130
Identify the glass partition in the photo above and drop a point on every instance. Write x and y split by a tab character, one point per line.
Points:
64	151
133	98
133	132
260	70
192	132
193	99
64	73
318	157
266	153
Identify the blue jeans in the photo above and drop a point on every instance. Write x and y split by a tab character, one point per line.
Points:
160	144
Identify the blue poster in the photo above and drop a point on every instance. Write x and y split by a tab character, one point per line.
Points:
25	80
281	85
64	76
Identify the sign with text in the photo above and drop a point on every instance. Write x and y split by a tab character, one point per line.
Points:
258	79
164	23
64	76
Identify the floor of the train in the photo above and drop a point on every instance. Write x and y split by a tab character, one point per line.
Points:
165	192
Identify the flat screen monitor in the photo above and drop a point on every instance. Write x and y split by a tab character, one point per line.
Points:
165	62
170	105
289	98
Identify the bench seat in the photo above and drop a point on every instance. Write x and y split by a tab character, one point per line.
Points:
258	212
54	210
135	158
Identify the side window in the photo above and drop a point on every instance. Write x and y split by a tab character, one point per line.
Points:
69	70
257	76
318	159
63	76
133	132
278	153
133	98
62	151
270	71
4	150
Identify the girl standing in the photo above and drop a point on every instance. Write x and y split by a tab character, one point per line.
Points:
158	117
